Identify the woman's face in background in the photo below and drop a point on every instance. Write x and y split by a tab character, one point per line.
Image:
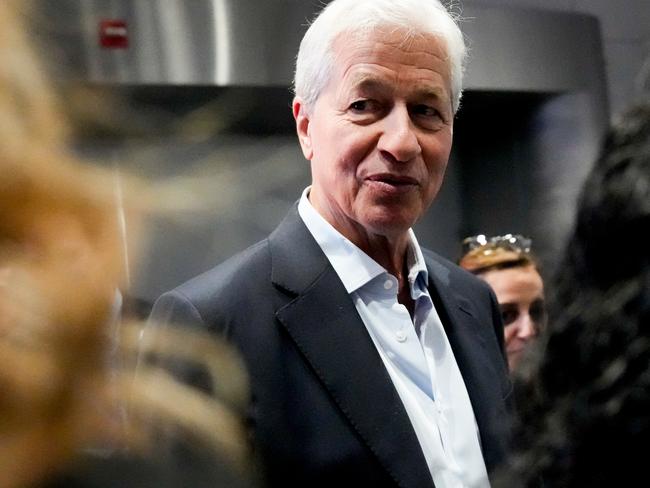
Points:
520	293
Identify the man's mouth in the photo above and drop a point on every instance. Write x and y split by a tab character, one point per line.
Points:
392	180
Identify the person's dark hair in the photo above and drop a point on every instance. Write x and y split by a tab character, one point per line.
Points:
585	393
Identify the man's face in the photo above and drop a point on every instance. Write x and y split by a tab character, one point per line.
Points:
380	133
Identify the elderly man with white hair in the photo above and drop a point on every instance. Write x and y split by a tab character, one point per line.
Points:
373	362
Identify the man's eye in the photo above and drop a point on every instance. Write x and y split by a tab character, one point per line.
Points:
427	116
425	111
361	105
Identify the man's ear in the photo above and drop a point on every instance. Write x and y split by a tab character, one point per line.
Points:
302	127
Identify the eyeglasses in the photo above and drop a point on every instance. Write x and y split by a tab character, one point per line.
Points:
509	242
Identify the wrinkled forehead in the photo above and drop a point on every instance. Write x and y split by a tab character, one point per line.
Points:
401	39
392	48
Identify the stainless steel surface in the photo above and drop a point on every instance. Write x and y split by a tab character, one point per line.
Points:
199	42
532	50
254	43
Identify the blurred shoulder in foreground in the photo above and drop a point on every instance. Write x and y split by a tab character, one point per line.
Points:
66	413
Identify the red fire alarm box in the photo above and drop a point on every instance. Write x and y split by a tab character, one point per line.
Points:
113	34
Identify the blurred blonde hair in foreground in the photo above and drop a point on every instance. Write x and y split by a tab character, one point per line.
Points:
61	263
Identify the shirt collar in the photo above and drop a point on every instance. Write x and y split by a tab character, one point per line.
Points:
353	266
418	273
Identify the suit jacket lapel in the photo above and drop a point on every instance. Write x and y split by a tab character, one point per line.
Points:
324	324
476	367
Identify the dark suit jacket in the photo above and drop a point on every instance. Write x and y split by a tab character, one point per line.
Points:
324	411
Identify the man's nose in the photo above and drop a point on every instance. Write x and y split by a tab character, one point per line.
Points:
399	141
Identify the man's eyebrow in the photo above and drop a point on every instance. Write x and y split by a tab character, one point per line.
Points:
425	91
371	83
437	92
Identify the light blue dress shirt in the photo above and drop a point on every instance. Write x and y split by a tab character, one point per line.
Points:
415	352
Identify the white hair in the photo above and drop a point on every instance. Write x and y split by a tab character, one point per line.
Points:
315	61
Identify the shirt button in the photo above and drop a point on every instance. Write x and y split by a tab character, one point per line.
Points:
400	335
388	284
